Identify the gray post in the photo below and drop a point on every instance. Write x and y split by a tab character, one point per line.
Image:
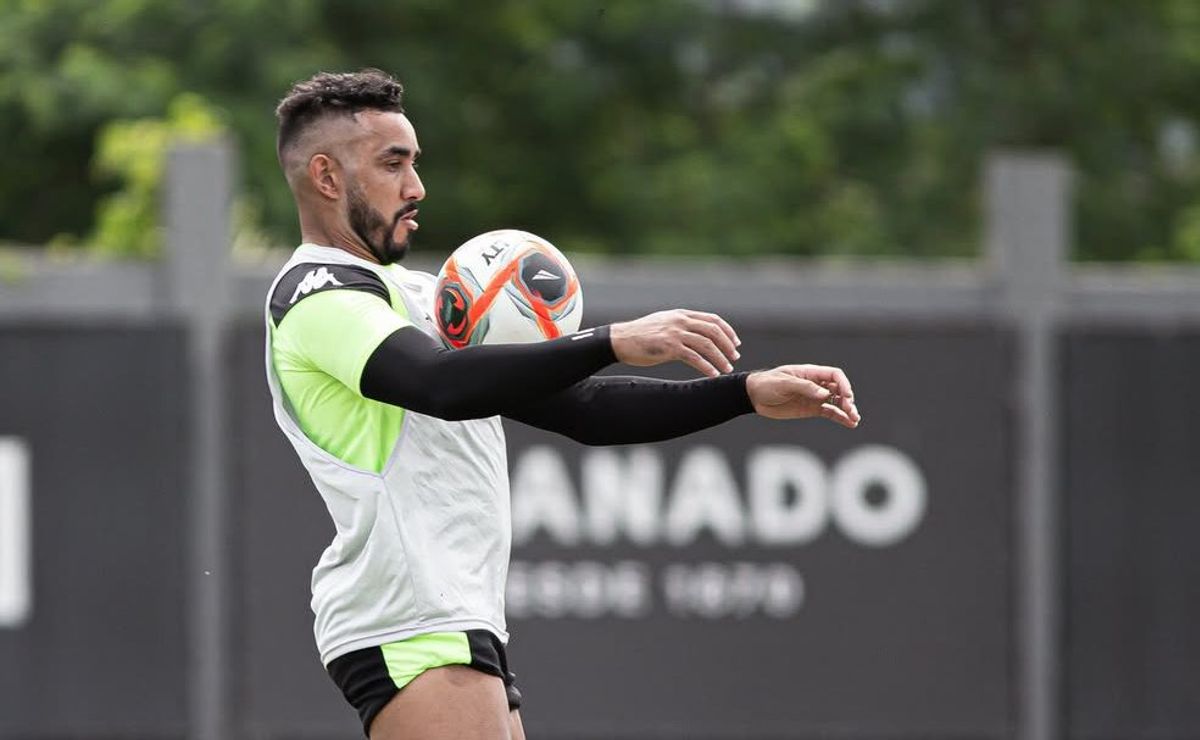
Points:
196	282
1028	206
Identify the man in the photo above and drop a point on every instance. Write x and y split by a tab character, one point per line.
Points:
402	437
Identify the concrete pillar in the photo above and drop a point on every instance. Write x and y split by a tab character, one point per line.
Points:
196	285
1027	234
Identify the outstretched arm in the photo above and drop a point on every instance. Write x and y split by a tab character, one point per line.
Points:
412	370
617	409
631	410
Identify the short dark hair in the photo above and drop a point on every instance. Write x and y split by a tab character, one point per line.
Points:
338	94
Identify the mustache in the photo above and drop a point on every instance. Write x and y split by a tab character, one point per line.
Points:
404	212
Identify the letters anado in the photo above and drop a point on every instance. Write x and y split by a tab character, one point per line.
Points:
874	495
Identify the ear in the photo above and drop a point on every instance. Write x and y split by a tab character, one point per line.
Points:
325	175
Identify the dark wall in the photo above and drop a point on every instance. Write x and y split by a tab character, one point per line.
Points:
103	653
762	579
1132	472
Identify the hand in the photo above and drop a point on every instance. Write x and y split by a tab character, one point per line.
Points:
802	392
703	340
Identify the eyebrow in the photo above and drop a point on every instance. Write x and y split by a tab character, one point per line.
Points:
400	151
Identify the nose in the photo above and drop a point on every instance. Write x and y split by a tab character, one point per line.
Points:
413	189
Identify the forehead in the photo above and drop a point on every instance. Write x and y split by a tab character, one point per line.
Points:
380	130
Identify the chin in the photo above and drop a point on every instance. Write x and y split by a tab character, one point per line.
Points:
393	253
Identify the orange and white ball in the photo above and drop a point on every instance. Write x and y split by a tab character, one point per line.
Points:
506	286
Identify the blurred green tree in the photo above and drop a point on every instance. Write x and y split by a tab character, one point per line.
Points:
134	153
624	126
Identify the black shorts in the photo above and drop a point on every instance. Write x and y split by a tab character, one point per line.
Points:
370	677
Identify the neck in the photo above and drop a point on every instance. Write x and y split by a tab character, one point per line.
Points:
314	230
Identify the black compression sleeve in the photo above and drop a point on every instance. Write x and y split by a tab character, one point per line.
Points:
412	370
630	410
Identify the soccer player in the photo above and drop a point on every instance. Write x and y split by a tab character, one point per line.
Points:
403	440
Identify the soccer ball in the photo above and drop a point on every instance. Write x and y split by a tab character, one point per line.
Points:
506	286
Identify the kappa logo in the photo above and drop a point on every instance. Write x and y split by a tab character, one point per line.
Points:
545	275
314	280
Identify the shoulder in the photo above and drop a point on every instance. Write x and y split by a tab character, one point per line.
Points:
309	278
412	279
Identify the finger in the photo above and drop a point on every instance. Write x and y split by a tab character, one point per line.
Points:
835	414
704	346
822	374
724	325
843	383
837	399
716	336
690	357
826	374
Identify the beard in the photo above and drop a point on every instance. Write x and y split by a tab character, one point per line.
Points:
375	230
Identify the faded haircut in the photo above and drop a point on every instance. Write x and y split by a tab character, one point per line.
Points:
334	94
